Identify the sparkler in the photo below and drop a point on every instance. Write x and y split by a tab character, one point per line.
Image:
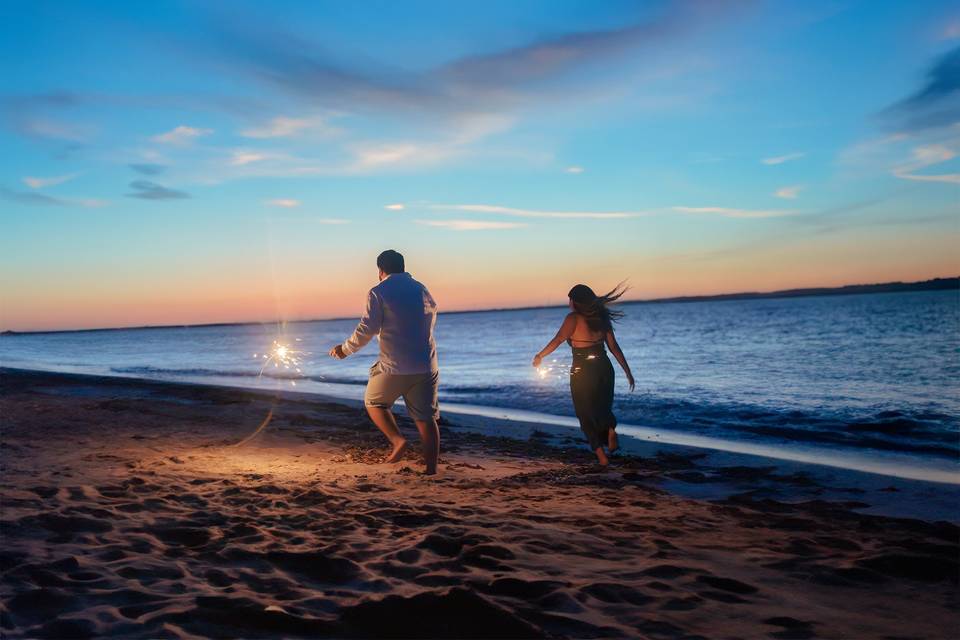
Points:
555	371
282	356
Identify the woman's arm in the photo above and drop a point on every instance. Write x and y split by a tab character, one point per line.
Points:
614	347
566	330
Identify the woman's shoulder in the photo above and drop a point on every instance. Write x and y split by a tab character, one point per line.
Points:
581	324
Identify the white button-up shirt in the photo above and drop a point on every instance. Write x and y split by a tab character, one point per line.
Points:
401	313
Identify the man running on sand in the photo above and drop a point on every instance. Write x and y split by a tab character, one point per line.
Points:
401	313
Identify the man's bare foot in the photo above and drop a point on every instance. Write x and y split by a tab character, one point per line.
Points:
430	472
397	453
601	456
612	443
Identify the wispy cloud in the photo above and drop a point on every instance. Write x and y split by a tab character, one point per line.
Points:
908	155
735	213
282	127
789	193
147	190
35	117
471	225
404	155
953	178
378	155
299	66
39	183
574	169
448	140
505	81
784	158
943	80
182	135
537	213
148	169
870	152
847	214
46	128
925	156
937	103
396	207
32	197
242	157
30	116
551	57
456	135
285	203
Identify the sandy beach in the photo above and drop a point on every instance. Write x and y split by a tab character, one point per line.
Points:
127	512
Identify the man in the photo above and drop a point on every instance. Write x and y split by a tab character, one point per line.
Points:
401	313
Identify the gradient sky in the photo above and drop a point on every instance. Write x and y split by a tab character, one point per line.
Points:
188	162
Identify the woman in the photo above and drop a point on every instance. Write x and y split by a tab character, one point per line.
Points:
586	328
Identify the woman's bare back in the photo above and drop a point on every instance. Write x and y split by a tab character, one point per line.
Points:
583	335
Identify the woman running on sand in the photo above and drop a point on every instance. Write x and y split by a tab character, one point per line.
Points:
586	328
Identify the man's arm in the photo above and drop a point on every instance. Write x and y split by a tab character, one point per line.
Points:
368	327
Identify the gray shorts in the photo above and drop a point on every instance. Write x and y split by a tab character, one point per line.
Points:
419	391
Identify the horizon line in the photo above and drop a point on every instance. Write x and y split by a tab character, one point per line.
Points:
943	283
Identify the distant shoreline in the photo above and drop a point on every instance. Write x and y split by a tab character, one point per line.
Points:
935	284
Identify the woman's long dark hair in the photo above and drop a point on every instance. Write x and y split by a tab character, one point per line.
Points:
596	309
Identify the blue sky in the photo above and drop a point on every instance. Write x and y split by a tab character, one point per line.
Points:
174	162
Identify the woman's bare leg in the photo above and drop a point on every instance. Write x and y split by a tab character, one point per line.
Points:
612	443
601	456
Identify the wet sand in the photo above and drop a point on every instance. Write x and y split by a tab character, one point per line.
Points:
127	512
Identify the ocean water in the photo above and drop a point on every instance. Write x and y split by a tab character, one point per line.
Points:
874	374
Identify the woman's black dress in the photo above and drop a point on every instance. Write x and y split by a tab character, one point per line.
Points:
591	385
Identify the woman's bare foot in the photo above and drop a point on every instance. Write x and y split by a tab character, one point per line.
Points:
601	456
612	443
397	453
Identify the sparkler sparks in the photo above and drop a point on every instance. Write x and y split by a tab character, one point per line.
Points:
282	356
555	371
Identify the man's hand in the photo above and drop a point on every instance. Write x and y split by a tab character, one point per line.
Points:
337	352
537	359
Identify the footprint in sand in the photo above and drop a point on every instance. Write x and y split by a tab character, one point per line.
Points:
792	629
611	592
727	584
682	604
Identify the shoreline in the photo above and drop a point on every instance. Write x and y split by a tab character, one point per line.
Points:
130	510
919	497
893	465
